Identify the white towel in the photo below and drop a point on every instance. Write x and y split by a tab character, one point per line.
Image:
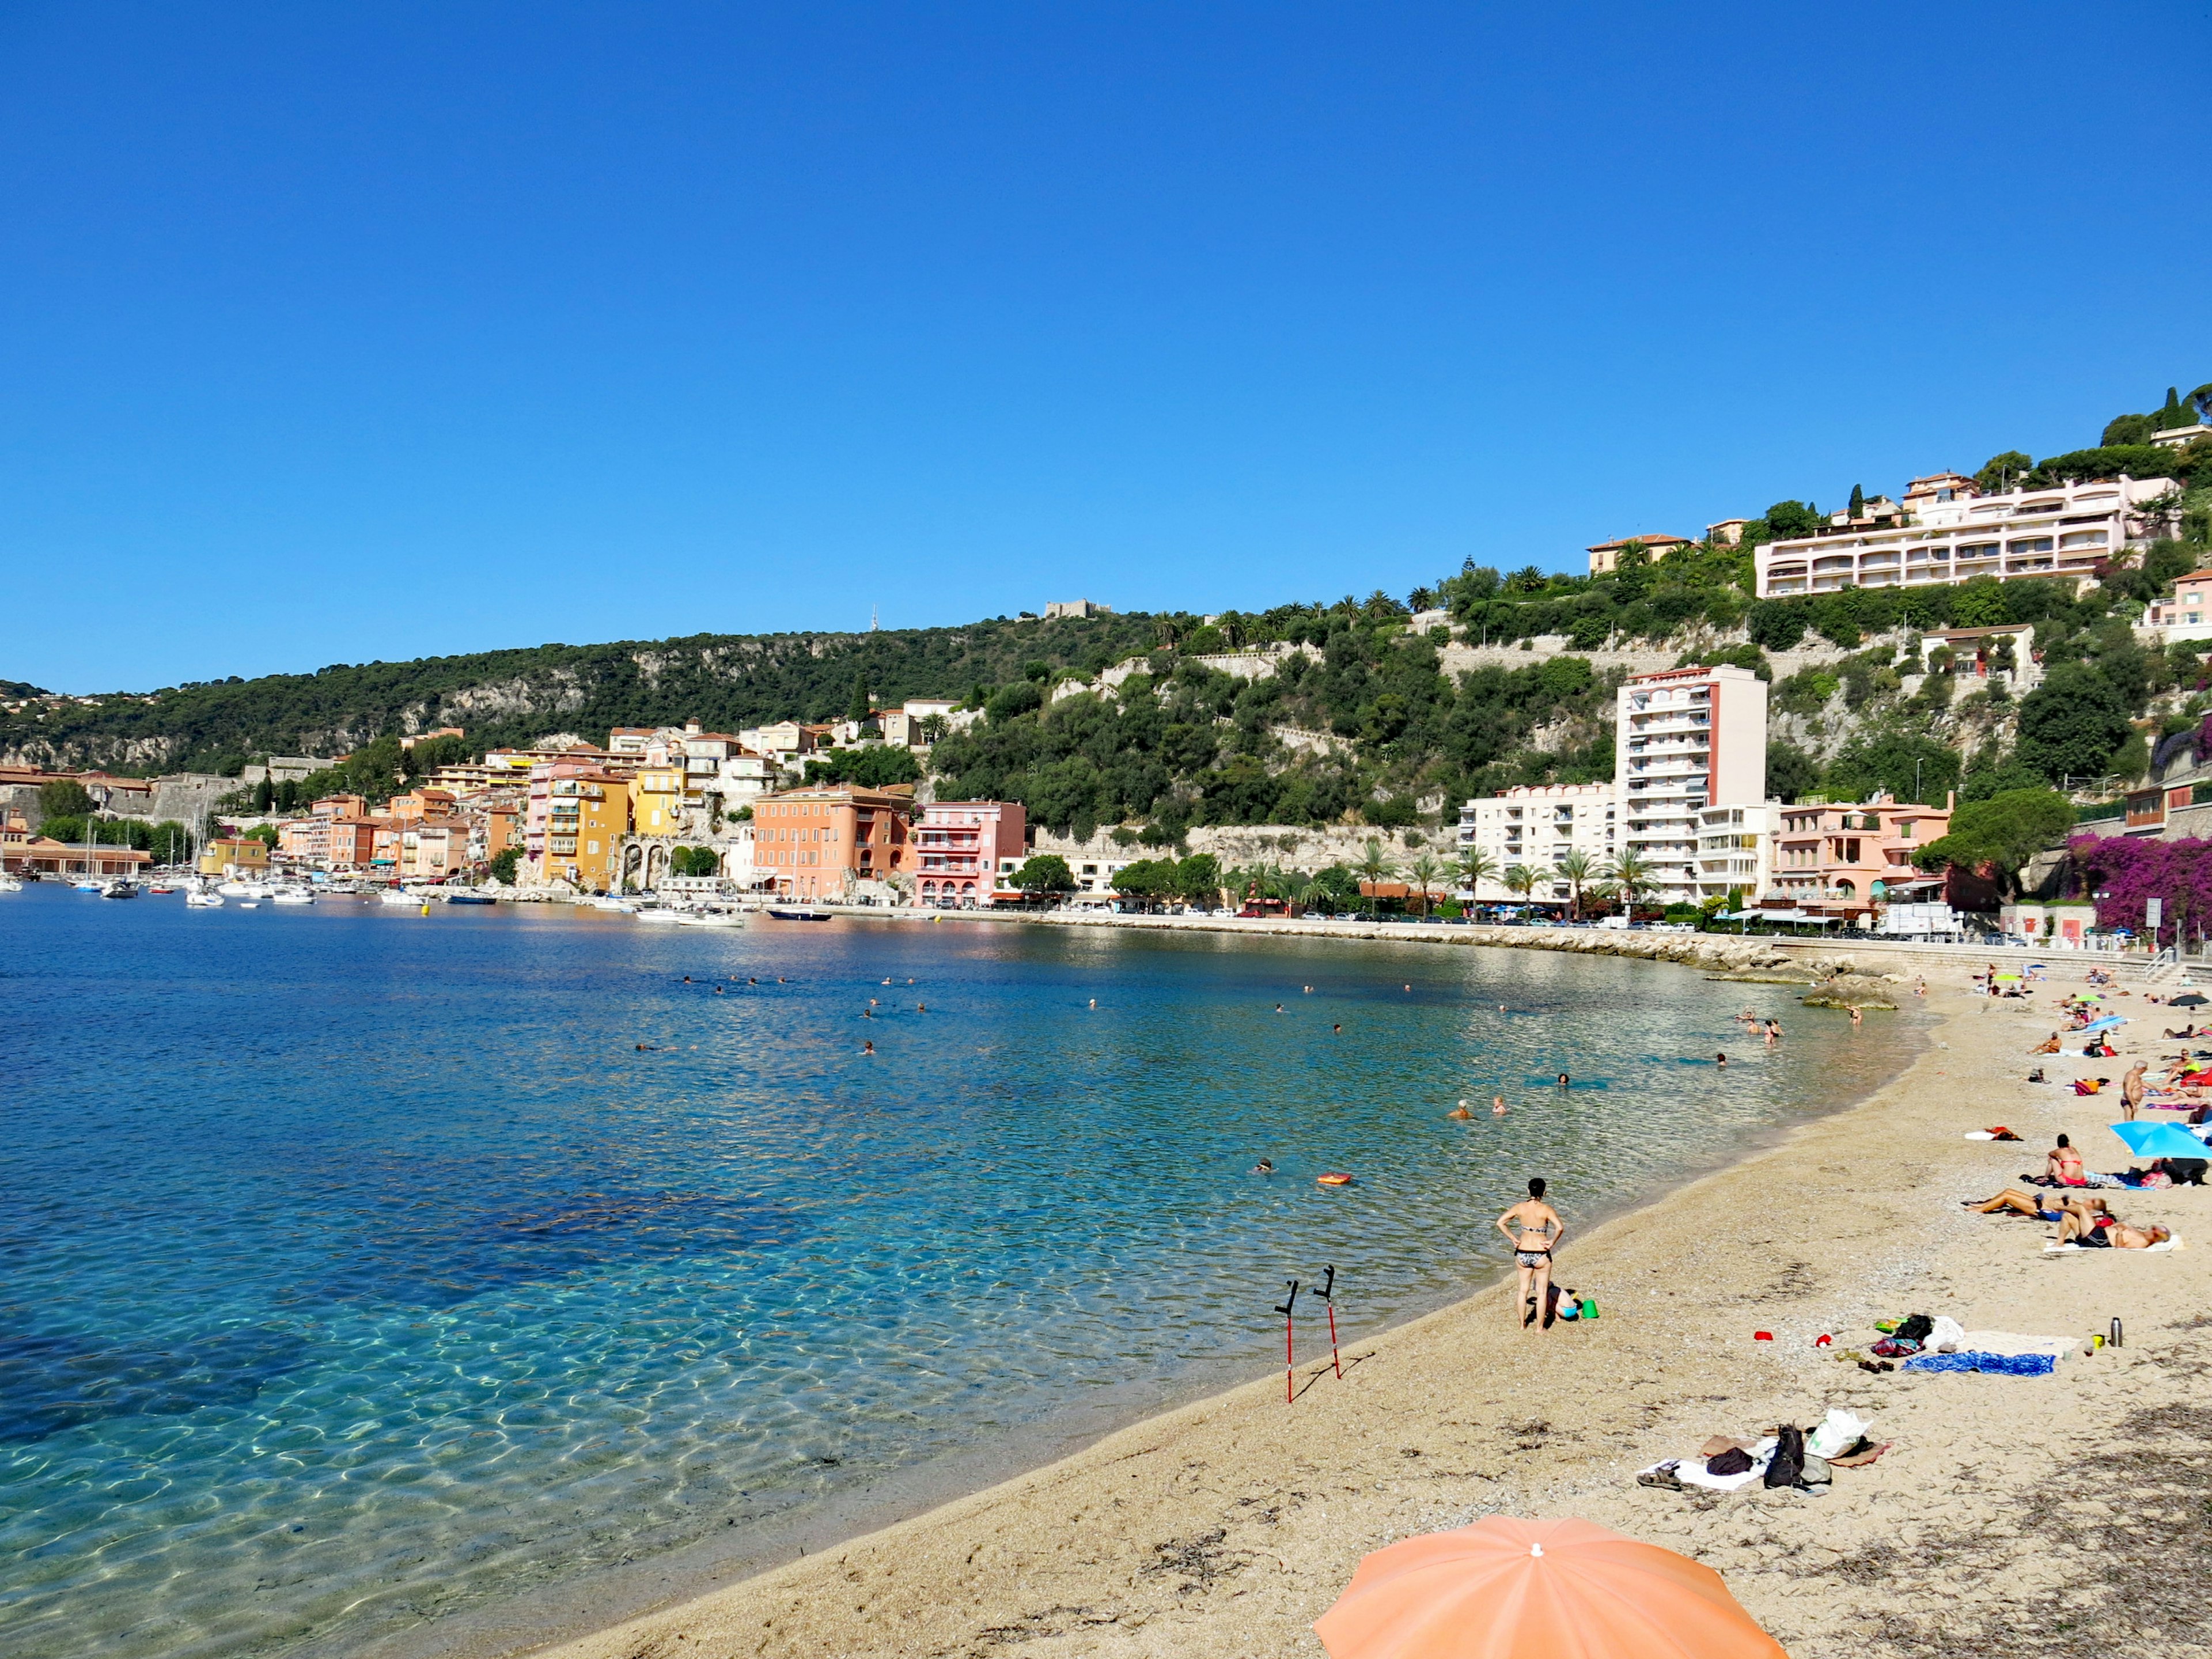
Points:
2050	1249
2009	1342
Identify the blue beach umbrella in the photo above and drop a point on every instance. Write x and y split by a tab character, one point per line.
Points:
2160	1140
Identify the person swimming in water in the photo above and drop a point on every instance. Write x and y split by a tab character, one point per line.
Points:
1497	1106
1566	1082
1720	1059
1459	1112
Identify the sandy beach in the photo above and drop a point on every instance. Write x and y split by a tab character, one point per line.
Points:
2066	1514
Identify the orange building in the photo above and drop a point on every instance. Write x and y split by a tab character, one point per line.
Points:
577	816
1841	858
821	843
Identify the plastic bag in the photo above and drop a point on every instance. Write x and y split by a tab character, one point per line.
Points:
1945	1336
1837	1435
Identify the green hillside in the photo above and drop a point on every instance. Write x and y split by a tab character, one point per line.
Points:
1364	724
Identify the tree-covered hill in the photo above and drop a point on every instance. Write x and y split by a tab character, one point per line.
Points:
515	697
1368	721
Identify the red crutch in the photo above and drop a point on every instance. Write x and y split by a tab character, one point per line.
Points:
1327	1285
1289	1367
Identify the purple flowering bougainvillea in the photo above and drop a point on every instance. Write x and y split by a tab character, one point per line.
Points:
2119	872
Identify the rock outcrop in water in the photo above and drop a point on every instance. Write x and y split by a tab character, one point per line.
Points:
1847	990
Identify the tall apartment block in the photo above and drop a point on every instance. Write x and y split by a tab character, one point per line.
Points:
1684	740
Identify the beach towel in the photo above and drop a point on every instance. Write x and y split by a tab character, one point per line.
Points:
2011	1342
1691	1471
2050	1249
2002	1365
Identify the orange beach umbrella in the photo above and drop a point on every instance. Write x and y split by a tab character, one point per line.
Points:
1504	1588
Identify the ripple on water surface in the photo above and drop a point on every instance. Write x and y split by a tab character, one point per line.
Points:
357	1268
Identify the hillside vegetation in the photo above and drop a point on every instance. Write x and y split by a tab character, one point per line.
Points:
1363	724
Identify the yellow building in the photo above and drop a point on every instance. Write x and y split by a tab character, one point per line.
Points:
243	857
587	814
658	794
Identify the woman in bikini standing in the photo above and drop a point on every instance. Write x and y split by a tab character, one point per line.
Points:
1536	1231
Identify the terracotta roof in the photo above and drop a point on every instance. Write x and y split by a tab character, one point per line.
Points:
1648	541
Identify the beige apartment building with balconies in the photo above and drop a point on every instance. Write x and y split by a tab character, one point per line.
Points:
1537	825
1684	740
1950	532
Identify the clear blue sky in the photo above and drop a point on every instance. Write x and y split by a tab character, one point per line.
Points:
329	334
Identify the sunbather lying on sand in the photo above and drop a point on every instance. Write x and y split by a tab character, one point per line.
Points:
2075	1227
2017	1202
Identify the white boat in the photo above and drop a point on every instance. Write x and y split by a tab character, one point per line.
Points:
291	896
89	886
120	887
400	895
9	885
203	898
658	914
249	905
609	901
712	918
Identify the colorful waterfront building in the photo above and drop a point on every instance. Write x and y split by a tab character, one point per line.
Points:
577	815
22	852
1841	860
244	855
964	849
832	842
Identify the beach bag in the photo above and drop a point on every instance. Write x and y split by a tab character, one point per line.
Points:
1915	1329
1836	1436
1735	1460
1787	1466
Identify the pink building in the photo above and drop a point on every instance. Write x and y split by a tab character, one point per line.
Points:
964	849
1842	859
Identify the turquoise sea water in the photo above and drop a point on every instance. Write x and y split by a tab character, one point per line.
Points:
360	1274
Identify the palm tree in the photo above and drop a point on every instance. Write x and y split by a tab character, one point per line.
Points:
1631	874
1426	870
1574	865
1477	867
1520	879
1375	865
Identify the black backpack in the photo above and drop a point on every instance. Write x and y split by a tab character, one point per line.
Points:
1916	1329
1787	1466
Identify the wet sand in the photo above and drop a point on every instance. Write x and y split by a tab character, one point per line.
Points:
2012	1515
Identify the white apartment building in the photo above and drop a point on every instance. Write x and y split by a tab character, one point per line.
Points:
1735	850
1950	533
1538	825
1684	740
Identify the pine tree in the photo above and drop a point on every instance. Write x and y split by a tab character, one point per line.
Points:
1858	502
859	709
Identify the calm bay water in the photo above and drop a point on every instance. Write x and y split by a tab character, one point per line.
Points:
358	1272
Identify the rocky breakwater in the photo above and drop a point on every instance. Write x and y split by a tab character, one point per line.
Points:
1719	955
